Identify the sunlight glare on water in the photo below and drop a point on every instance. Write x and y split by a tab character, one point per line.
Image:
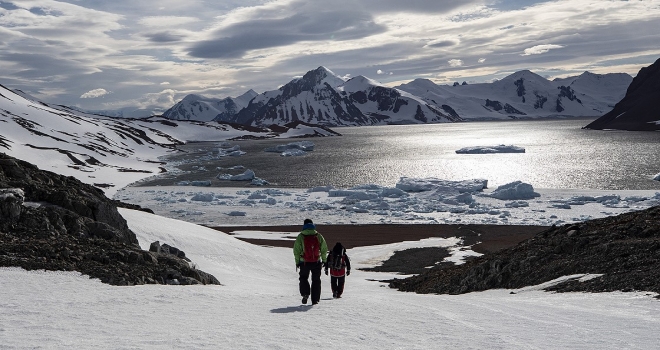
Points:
559	154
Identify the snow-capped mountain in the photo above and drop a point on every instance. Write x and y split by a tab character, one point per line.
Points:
200	108
525	94
107	152
322	97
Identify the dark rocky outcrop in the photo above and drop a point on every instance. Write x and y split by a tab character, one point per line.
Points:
53	222
640	108
625	249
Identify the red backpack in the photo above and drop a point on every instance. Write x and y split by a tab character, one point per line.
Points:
311	248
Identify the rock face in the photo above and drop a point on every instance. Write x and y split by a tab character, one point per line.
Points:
52	222
639	109
625	249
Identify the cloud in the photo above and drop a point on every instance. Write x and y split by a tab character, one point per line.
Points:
540	49
166	21
164	37
235	39
94	93
455	63
442	43
481	60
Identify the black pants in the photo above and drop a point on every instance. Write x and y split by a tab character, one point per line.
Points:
337	285
315	269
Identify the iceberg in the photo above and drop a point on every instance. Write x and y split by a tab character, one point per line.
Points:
491	149
514	191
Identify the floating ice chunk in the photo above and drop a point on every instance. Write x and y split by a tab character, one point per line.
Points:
203	197
293	153
270	201
259	182
491	149
237	213
657	177
257	195
612	199
234	151
237	167
635	199
201	183
246	176
561	206
305	146
410	184
393	193
515	190
321	189
183	183
516	204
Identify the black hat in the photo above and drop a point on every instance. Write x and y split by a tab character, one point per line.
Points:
308	221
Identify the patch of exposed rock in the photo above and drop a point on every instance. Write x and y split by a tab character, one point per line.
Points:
53	222
625	249
638	110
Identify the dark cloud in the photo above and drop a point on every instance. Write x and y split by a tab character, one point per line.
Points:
235	40
163	37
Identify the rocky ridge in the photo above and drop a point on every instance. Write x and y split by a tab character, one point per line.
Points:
621	252
638	110
53	222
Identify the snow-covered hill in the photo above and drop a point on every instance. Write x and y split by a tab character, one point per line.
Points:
107	152
525	94
200	108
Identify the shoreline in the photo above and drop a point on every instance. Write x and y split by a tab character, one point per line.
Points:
484	238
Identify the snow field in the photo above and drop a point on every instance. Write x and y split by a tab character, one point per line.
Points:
258	307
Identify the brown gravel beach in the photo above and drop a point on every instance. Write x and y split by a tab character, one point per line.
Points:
485	238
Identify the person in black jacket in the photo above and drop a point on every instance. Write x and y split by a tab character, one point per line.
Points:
340	266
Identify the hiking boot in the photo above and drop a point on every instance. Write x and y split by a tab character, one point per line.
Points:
314	302
334	294
304	299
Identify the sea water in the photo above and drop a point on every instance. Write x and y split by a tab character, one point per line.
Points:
558	154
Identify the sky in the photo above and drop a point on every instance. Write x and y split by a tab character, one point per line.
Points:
258	306
105	55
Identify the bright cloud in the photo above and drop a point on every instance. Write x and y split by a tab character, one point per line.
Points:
481	60
455	63
539	49
95	93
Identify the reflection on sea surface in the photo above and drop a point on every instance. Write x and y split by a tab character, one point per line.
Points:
559	154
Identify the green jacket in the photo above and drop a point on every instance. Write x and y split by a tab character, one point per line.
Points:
298	246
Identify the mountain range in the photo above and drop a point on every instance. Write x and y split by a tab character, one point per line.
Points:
322	97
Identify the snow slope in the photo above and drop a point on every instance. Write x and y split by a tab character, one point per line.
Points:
258	307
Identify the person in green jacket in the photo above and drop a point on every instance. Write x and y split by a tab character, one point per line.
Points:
310	252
